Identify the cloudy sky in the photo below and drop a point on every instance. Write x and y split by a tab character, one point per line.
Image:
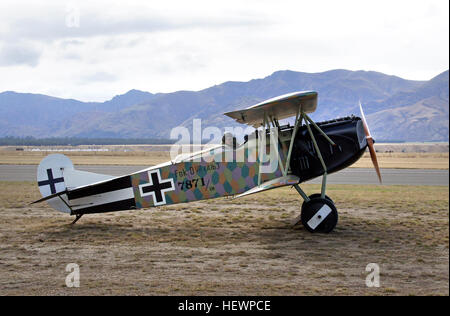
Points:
93	50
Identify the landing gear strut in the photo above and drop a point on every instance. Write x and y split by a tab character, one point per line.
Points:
318	211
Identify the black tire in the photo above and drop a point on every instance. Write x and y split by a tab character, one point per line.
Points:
318	195
310	209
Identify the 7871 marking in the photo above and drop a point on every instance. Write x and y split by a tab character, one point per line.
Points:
194	183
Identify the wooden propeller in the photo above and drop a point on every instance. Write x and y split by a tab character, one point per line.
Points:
370	142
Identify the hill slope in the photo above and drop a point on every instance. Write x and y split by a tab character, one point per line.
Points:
421	114
396	108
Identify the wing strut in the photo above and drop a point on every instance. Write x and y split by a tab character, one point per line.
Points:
291	144
299	118
272	136
298	122
318	129
266	124
319	155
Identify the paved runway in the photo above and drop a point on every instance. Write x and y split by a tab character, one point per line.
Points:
346	176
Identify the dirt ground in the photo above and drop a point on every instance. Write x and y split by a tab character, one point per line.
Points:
230	247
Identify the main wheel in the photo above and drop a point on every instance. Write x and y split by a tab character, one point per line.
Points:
319	215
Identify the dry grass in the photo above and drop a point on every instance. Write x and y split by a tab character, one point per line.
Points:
131	158
148	158
406	161
231	247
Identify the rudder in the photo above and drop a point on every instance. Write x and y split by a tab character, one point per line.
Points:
56	173
50	179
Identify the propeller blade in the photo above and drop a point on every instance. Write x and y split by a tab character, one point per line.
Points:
363	117
373	154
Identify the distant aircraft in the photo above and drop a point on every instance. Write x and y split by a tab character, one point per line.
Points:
304	151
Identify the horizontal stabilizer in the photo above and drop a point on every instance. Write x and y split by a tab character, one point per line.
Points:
273	184
77	178
48	197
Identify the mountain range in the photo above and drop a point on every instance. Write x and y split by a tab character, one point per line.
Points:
396	109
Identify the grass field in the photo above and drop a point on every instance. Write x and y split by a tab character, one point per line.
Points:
148	158
230	247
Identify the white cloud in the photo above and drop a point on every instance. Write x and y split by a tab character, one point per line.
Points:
191	45
17	54
100	76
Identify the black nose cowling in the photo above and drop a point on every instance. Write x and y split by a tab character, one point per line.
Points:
347	133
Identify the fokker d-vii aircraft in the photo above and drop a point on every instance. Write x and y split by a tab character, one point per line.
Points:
303	151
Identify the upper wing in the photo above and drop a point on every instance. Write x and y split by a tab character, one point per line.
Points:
278	108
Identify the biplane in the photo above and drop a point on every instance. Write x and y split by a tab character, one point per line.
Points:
303	151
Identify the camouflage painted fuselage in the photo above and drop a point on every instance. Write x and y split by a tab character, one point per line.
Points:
210	176
225	171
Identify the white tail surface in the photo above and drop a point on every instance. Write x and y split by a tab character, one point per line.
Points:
56	173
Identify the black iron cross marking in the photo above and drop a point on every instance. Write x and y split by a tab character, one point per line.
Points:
51	181
157	187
